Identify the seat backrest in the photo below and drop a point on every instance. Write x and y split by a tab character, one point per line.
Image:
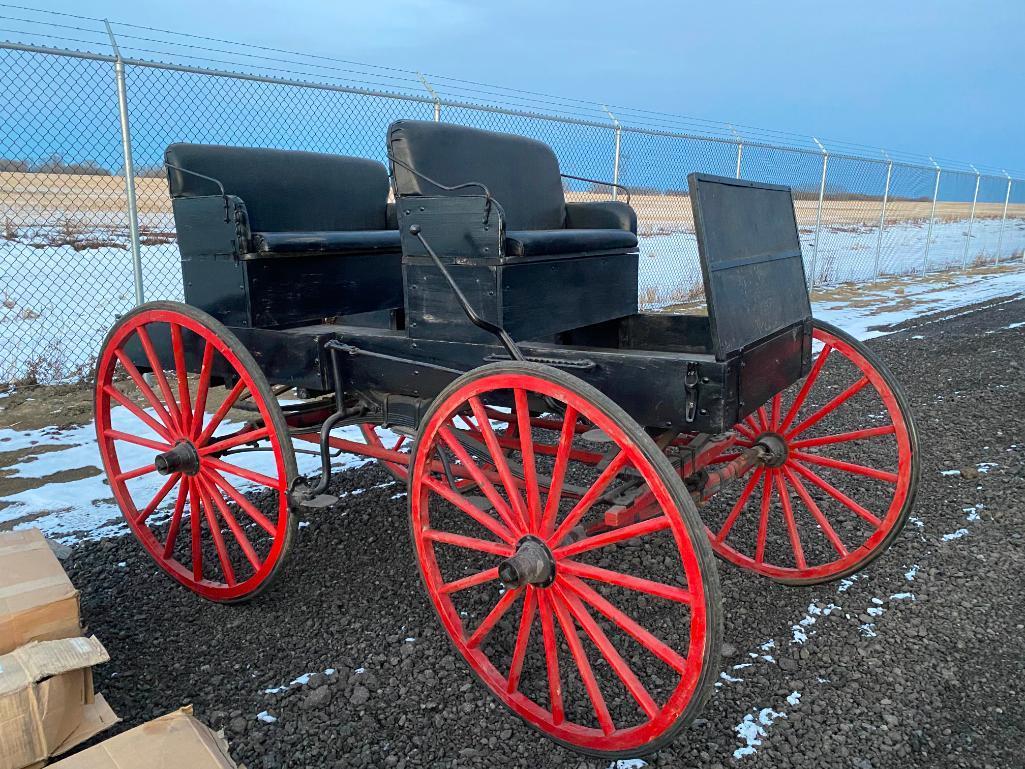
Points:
285	190
521	174
751	260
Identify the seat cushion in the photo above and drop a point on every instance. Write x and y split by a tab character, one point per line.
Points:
285	190
554	242
520	173
355	242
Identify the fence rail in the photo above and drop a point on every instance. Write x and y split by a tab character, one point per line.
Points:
88	232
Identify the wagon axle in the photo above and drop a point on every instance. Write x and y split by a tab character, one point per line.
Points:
183	458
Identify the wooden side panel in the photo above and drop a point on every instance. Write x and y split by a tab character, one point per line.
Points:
287	291
540	298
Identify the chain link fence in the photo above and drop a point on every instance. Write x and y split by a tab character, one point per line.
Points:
74	253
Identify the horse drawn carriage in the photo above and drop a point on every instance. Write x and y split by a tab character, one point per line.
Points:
572	464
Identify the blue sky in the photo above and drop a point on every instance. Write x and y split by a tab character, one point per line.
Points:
943	78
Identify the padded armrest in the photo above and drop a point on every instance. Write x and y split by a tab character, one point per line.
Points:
601	215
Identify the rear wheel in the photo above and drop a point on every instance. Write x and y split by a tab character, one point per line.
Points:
846	480
202	483
608	644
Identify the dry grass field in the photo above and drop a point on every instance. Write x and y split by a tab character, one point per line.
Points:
38	199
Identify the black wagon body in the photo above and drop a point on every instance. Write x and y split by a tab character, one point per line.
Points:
455	318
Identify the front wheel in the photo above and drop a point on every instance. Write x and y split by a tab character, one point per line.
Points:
203	484
607	643
847	479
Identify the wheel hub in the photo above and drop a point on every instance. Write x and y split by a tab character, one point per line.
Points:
532	564
775	448
183	458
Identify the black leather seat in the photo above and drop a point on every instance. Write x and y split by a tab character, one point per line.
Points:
286	190
316	232
521	174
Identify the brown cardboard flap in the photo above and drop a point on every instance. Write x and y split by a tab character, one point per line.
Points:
35	661
45	688
174	741
37	600
96	716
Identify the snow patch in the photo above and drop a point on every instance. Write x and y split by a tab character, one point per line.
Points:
754	729
955	535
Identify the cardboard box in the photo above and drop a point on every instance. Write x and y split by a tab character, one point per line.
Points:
37	600
174	741
47	705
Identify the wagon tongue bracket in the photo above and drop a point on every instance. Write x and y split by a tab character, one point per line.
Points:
183	458
531	564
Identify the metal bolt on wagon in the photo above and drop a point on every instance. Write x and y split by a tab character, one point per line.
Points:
572	464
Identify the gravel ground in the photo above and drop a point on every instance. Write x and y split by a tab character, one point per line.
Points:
915	662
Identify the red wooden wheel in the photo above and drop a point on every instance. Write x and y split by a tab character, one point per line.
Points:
210	511
608	644
845	482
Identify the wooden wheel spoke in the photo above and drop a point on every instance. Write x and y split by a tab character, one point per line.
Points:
528	460
480	578
136	473
836	494
551	659
614	658
481	479
458	500
496	613
847	467
566	436
802	394
181	373
608	475
221	412
145	390
212	492
157	368
853	435
216	534
117	435
239	499
501	465
629	626
579	655
745	495
816	512
788	515
138	413
468	543
777	411
202	390
660	589
763	521
154	503
829	408
176	519
195	528
640	529
763	419
242	472
238	439
522	638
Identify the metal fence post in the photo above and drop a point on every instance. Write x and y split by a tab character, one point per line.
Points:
434	96
932	217
818	213
740	149
618	130
882	214
971	219
126	146
1003	218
